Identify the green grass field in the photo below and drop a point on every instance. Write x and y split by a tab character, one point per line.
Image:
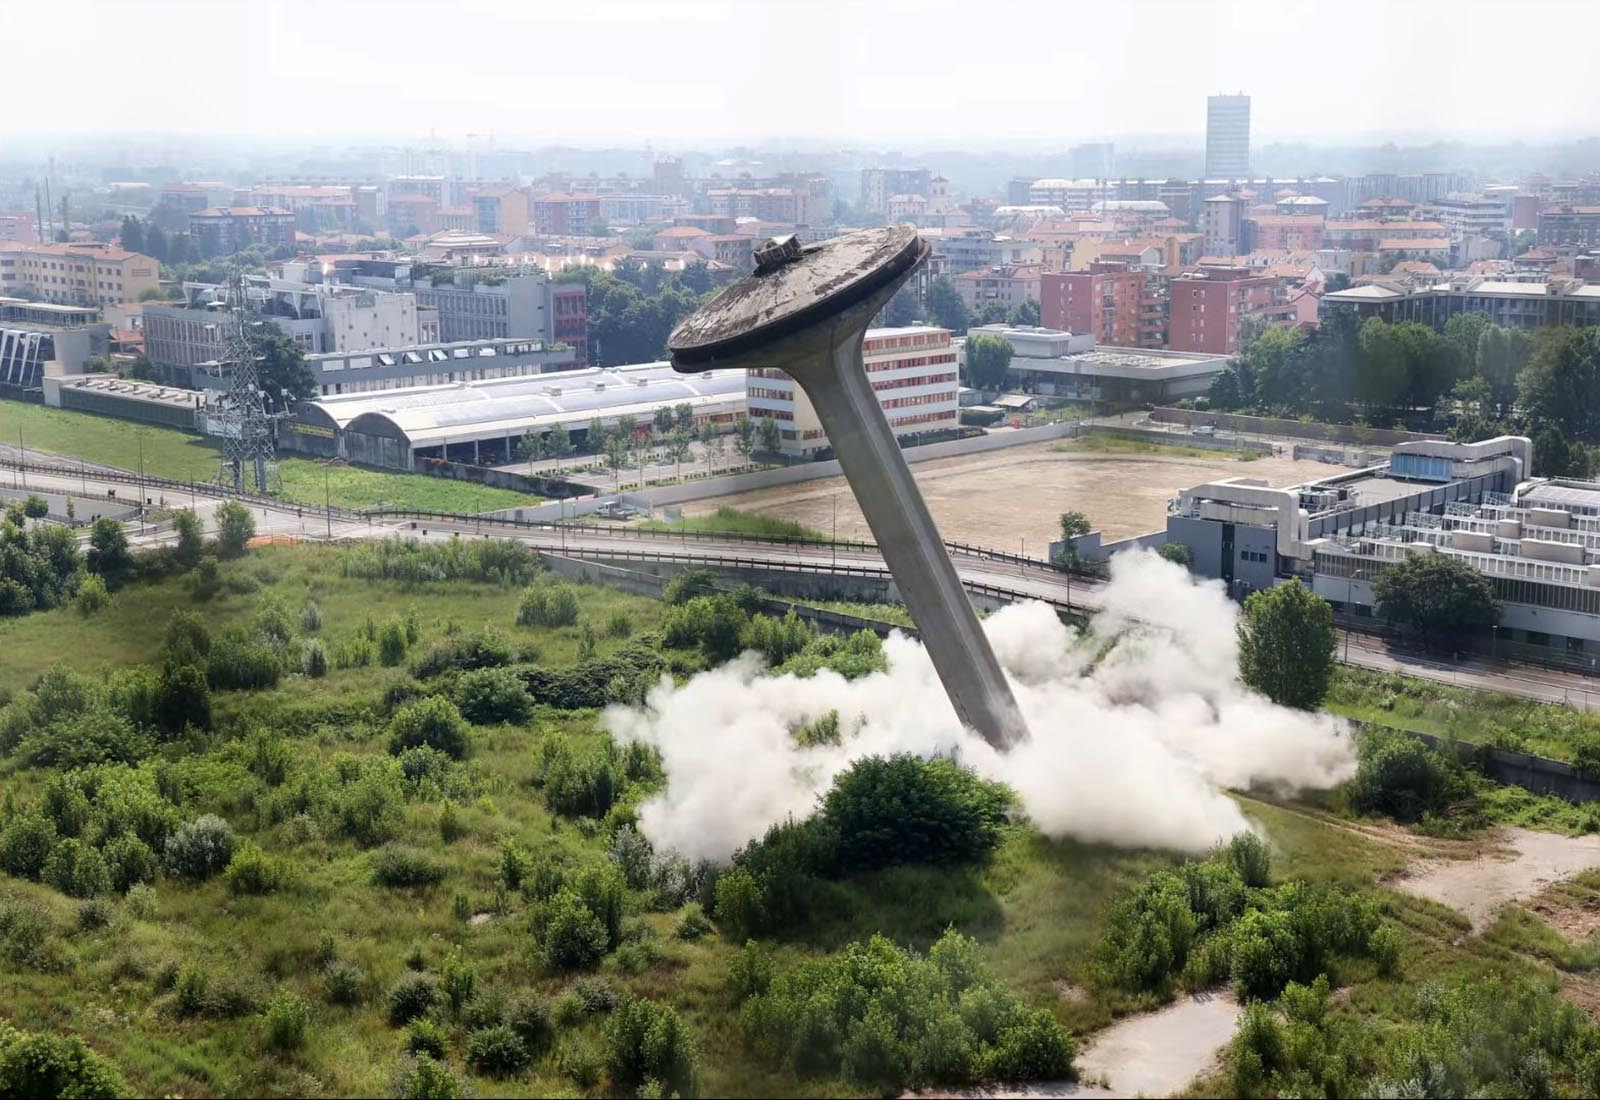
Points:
1478	717
1116	445
166	452
1035	907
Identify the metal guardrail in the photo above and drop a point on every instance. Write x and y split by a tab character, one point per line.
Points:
767	565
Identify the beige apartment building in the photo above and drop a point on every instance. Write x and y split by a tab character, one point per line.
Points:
78	274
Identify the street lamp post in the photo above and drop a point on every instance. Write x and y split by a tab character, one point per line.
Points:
1349	588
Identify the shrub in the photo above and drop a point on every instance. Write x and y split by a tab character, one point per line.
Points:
183	699
645	1041
33	1065
200	848
619	625
573	936
491	696
253	871
412	995
368	808
392	643
458	979
1147	936
497	1051
77	869
1257	1049
313	660
552	604
403	868
688	584
235	527
92	595
1265	953
450	827
240	662
1399	776
310	617
140	901
464	652
286	1019
693	923
750	973
432	721
428	1078
26	843
529	1017
1033	1048
580	1062
94	914
902	809
1247	854
425	1037
343	983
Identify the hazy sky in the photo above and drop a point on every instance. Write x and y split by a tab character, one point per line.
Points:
886	72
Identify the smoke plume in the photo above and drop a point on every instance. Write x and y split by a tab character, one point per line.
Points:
1138	726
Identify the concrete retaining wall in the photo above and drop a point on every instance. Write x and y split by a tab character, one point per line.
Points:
1535	773
1172	439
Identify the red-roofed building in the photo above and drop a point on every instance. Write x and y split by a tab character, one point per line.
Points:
1118	304
1009	284
1570	227
1208	305
78	274
1286	232
558	214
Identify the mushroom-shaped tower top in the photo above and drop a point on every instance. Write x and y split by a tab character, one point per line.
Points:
789	293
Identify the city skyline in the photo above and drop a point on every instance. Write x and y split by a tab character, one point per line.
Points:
360	62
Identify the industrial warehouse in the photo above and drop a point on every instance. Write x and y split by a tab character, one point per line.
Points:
1536	539
481	422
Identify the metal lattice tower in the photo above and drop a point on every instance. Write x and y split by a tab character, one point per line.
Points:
246	427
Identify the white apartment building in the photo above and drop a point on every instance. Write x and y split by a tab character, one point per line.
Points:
913	372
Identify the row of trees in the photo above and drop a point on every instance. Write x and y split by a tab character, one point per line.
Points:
945	307
1483	379
633	308
672	428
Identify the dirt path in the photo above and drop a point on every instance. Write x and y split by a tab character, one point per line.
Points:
1523	864
1001	498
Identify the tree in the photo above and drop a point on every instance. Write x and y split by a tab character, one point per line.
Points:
903	309
770	434
155	244
988	360
191	537
1561	383
529	447
992	312
1554	455
616	450
1026	313
1286	645
1074	525
594	437
285	379
1439	596
132	235
1178	553
683	416
35	506
946	306
678	446
558	444
744	436
661	419
109	555
235	528
433	721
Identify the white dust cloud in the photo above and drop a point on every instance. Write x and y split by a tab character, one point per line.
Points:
1137	726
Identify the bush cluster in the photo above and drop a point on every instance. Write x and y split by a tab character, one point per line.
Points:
885	1018
880	811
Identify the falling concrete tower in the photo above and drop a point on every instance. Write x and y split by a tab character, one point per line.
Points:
805	311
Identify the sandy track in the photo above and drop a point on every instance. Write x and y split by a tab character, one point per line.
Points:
1003	498
1524	864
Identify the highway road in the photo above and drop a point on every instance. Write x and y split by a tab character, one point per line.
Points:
1000	578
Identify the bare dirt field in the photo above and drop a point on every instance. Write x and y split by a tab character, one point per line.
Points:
1006	498
1526	863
